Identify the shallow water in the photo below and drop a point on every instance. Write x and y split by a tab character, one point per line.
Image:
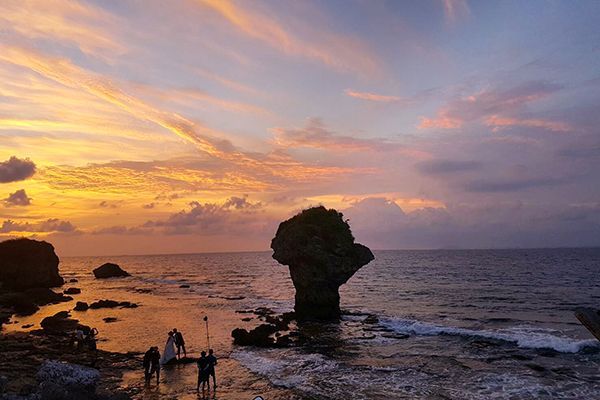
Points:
482	323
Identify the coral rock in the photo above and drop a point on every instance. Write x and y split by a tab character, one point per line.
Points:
319	249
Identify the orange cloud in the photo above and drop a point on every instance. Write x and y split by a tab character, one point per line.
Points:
70	22
339	52
372	96
204	138
237	86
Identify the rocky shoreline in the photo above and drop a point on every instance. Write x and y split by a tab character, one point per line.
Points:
45	364
24	354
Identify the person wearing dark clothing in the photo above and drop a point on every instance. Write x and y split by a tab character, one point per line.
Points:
152	364
179	342
212	361
91	339
203	371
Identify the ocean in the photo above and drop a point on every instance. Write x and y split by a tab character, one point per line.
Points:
481	324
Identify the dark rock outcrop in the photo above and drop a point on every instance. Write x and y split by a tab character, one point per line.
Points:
61	323
266	335
27	301
109	270
81	306
259	336
26	263
112	304
319	249
72	290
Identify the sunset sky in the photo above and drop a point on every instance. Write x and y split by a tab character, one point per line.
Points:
135	127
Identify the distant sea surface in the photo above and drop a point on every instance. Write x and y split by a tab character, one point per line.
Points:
482	324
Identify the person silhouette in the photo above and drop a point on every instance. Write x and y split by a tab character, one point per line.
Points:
152	364
212	361
203	371
179	343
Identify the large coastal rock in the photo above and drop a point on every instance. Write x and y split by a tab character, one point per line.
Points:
109	270
319	249
26	263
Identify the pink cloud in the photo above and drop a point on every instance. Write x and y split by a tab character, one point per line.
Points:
497	123
495	108
372	96
441	122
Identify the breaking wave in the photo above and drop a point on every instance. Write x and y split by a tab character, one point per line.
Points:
524	337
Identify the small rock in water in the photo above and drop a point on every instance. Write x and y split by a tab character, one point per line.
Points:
81	306
247	319
108	320
233	297
112	304
72	290
396	335
73	280
536	367
27	326
371	319
109	270
184	286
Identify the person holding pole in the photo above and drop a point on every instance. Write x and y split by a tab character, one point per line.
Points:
212	361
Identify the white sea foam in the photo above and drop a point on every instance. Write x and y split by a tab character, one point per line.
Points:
525	337
286	368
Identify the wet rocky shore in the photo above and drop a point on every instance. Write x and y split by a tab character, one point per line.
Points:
29	358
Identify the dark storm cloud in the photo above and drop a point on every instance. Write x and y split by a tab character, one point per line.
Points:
18	198
16	169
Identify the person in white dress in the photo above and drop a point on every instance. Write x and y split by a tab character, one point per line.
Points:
169	353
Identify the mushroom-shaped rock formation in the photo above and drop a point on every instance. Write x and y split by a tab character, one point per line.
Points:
26	263
319	249
109	270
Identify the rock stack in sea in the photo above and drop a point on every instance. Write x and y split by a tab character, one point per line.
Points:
319	249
